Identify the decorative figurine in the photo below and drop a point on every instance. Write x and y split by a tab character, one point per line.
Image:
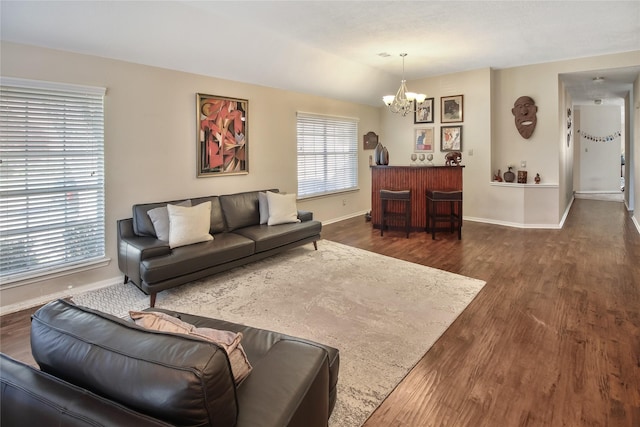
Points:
454	157
509	176
537	178
497	177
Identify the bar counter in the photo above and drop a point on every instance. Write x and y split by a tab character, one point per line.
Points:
418	179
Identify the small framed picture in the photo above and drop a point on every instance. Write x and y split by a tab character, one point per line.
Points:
423	140
424	112
451	138
451	109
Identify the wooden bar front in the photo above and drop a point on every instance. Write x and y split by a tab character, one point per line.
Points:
418	179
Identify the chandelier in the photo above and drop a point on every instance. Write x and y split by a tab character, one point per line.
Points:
402	102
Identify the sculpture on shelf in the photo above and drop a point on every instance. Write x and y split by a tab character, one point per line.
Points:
497	177
537	178
509	176
381	155
453	158
524	110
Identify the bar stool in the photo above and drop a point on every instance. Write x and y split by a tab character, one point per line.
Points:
453	216
403	196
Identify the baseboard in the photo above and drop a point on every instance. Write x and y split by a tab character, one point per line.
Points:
635	221
513	224
67	293
342	218
566	212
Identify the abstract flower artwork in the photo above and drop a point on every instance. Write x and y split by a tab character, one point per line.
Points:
222	135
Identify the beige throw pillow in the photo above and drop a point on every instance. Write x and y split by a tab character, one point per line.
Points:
188	225
229	341
282	208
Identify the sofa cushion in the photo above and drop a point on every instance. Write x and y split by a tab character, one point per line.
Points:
217	219
188	225
187	259
228	340
160	219
172	377
265	348
282	208
268	237
34	398
240	210
142	224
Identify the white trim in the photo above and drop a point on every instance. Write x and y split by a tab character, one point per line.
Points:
515	184
342	218
566	212
512	224
41	84
67	293
329	116
635	221
42	275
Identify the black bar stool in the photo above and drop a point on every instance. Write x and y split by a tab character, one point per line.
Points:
453	216
403	196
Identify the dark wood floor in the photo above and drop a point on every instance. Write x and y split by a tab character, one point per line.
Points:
553	339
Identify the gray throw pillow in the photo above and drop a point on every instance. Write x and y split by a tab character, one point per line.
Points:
160	219
263	204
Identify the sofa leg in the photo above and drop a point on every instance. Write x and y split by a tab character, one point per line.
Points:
126	279
152	300
315	245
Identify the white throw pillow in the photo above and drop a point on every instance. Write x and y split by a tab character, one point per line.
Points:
188	225
282	208
263	204
160	219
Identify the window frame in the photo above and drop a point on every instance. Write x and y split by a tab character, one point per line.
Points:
68	127
338	131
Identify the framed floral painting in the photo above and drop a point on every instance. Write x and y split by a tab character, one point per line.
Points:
222	135
451	138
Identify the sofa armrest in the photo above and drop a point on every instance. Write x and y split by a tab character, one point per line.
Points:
34	398
133	249
295	376
305	215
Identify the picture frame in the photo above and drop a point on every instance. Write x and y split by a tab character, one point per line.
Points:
222	140
424	113
451	109
451	138
423	141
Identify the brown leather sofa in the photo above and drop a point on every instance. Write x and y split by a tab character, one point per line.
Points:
239	238
99	370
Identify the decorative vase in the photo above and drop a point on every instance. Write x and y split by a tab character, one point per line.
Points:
509	176
385	156
377	154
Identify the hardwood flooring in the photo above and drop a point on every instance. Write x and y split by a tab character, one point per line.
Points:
553	339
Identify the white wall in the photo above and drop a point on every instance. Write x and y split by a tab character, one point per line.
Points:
150	142
599	162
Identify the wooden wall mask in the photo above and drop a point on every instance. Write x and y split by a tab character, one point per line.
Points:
524	110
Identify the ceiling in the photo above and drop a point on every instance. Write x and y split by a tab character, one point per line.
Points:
333	48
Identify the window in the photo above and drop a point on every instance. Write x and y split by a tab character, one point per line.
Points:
327	154
51	177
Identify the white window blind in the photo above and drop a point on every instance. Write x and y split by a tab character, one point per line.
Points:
327	154
51	177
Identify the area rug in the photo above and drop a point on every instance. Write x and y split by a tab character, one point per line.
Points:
382	313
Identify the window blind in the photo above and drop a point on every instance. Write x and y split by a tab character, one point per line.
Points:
51	177
327	154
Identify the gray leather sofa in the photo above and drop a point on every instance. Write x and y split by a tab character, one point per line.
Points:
99	370
239	238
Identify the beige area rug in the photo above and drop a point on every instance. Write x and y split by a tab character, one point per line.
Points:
383	314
